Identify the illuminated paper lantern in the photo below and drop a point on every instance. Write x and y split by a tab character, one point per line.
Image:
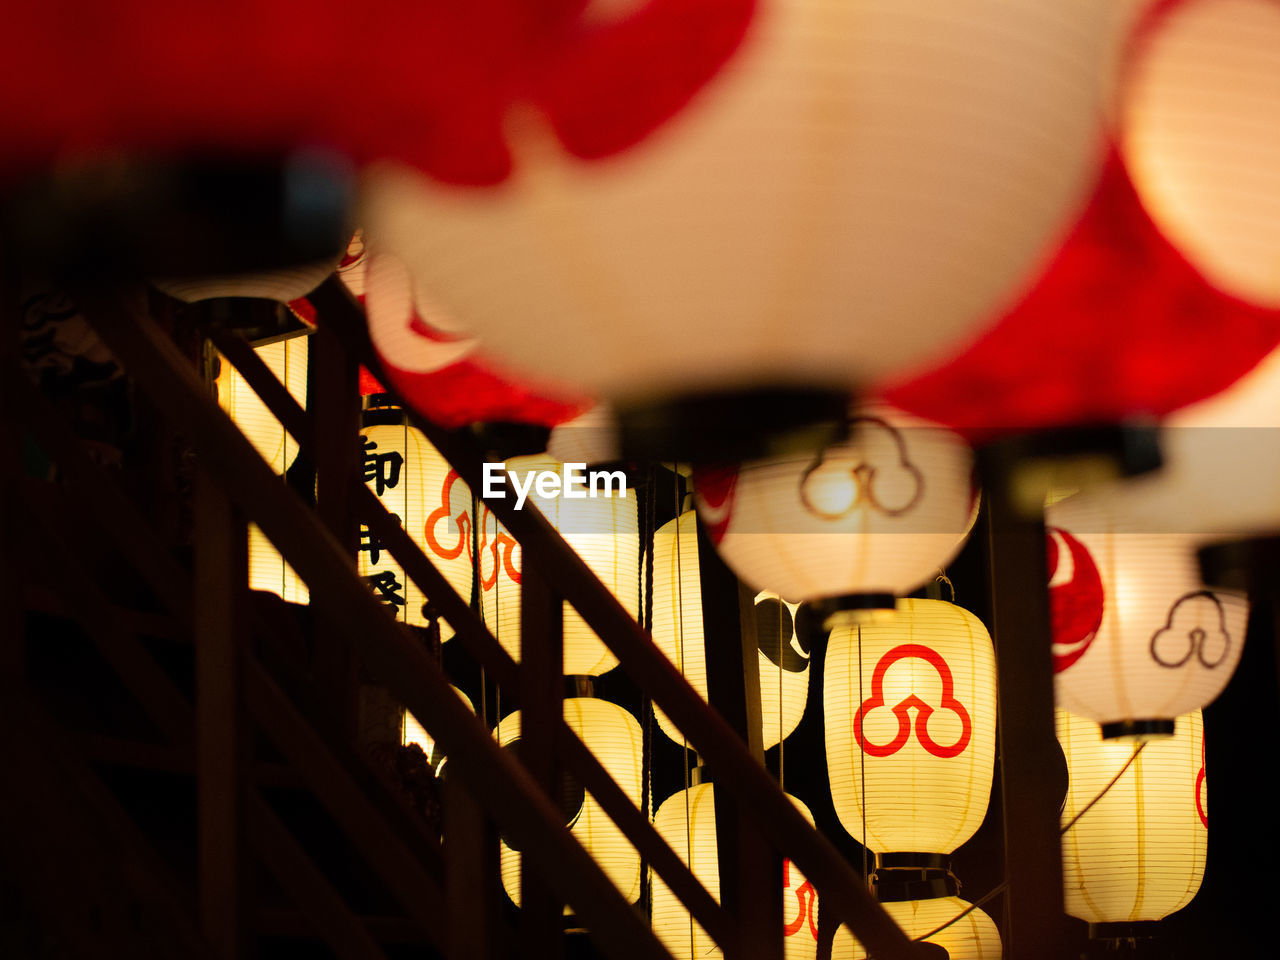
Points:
677	632
910	734
1139	852
603	530
414	482
591	437
877	514
287	360
1198	130
1137	639
710	218
974	937
687	821
617	741
282	285
412	732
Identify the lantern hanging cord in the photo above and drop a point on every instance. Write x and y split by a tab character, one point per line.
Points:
943	578
1114	780
1002	887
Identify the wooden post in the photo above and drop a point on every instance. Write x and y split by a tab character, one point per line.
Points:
1028	748
473	889
750	869
542	706
12	639
220	566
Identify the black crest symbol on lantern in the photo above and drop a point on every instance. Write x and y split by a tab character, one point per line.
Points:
891	485
1196	624
777	637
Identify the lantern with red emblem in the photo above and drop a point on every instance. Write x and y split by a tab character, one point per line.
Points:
1137	639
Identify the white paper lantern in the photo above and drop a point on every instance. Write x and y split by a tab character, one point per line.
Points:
974	937
879	513
1137	639
590	437
858	188
414	482
678	633
1139	852
910	735
687	821
1198	132
287	361
412	732
282	285
604	531
617	741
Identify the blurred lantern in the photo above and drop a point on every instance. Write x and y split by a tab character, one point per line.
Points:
875	515
973	937
603	530
702	223
1137	640
1115	328
910	709
1197	127
1138	854
282	285
687	821
677	632
590	437
412	732
414	482
287	360
437	366
617	741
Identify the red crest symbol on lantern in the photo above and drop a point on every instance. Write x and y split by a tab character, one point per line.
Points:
902	710
498	553
716	487
1076	599
440	513
1200	798
806	905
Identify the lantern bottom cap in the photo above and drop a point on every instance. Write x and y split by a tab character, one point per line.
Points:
1137	730
730	425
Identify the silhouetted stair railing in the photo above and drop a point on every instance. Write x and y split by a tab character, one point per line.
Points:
493	781
843	891
406	857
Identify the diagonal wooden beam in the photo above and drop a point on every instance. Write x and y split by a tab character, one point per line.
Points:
488	652
497	781
714	739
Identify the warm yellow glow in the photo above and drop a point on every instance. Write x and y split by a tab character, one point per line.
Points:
412	732
416	483
678	633
617	741
687	821
287	360
1139	852
974	937
1164	646
924	705
604	531
882	513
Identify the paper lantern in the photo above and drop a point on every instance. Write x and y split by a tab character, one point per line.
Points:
591	437
1120	325
910	709
678	633
1137	640
414	482
1139	852
603	530
877	514
1198	131
287	360
617	741
798	192
974	937
687	821
438	366
412	732
282	285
